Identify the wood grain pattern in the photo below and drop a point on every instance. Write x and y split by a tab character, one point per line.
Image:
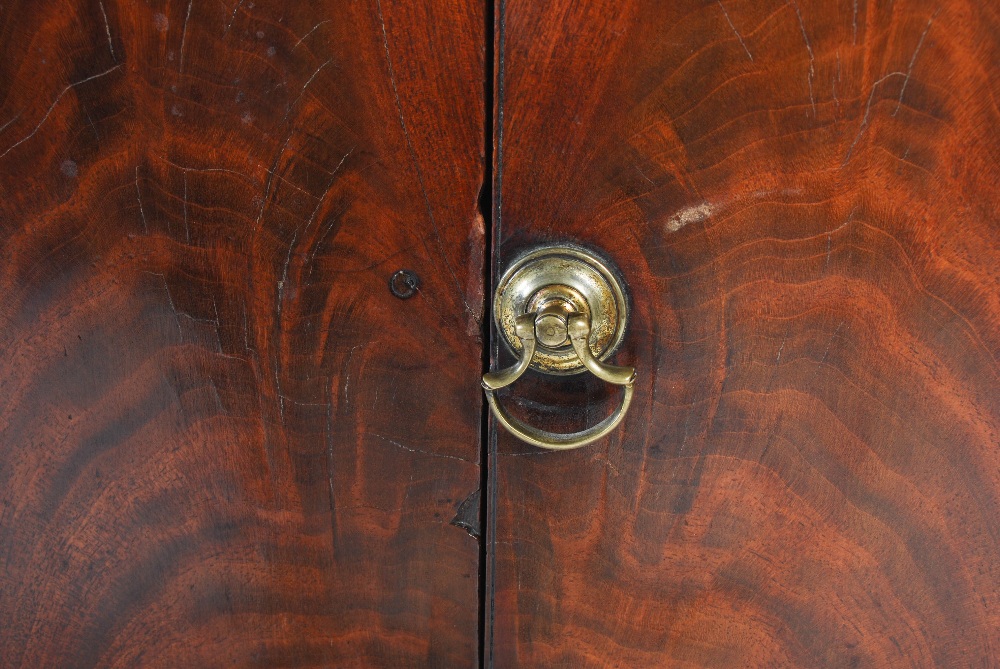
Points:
803	196
223	442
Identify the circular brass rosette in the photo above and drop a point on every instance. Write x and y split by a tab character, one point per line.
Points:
554	282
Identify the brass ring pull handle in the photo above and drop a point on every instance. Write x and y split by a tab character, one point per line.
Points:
557	336
562	310
578	330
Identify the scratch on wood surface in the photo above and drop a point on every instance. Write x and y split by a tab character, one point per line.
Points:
289	108
284	275
643	175
302	39
270	172
178	314
913	59
187	230
735	31
417	450
310	80
93	127
218	398
207	321
185	168
298	403
332	221
864	119
322	198
184	32
138	197
347	374
329	468
829	344
829	236
341	163
812	56
854	24
277	390
834	81
232	18
602	457
388	60
16	116
270	178
170	300
53	106
246	330
684	438
230	356
847	221
319	202
107	30
826	351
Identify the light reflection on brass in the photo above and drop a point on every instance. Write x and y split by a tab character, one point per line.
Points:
562	310
561	280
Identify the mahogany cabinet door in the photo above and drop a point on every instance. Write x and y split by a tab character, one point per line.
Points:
224	442
802	196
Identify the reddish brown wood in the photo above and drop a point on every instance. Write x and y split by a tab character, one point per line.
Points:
223	442
802	195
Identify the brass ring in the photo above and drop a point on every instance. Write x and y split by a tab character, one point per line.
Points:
553	440
579	334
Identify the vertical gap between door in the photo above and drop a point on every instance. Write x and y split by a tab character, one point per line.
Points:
490	211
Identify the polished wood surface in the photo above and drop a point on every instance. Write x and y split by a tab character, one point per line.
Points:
803	197
223	441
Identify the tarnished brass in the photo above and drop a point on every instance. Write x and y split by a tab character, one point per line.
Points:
563	310
579	330
525	329
553	282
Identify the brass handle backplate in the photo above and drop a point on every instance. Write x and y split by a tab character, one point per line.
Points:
562	310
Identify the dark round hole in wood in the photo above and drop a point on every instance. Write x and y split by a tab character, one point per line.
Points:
404	284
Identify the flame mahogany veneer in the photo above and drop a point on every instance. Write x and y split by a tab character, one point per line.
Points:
803	198
223	442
